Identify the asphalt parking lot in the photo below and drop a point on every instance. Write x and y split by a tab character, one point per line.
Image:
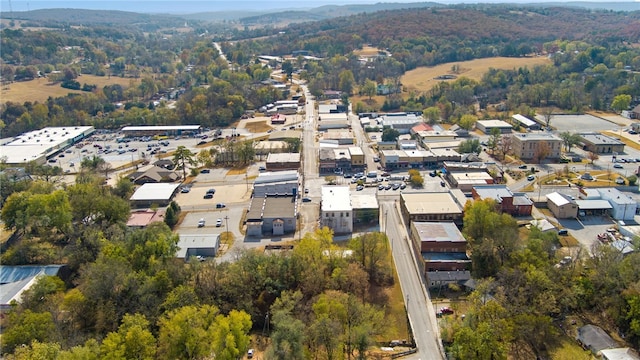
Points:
586	229
579	123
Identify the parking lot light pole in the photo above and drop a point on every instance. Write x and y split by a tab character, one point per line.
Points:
226	220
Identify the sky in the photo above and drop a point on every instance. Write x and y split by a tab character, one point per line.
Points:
194	6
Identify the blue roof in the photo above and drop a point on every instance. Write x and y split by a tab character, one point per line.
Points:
16	279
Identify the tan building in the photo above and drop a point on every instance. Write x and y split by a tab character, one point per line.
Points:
526	146
283	161
357	156
432	207
562	206
601	144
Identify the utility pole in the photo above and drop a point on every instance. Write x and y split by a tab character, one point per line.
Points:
226	219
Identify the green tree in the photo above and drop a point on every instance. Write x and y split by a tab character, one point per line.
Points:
467	121
370	250
569	139
183	156
287	68
231	335
432	114
621	102
390	134
369	88
133	340
470	146
287	338
346	81
494	140
25	327
37	351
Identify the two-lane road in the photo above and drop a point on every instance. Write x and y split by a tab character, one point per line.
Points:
420	310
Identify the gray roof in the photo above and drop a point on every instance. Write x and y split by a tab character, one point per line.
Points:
16	279
595	339
599	139
272	207
438	232
276	176
496	192
449	275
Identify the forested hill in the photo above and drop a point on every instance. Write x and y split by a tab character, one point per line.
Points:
429	36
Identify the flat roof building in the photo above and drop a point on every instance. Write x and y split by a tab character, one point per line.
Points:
431	207
336	211
562	206
365	208
198	245
516	204
272	215
168	130
283	161
38	145
601	144
486	126
525	122
154	193
528	146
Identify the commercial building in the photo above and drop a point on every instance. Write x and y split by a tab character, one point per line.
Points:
528	146
341	160
342	137
525	122
486	126
601	144
365	209
515	204
272	215
623	207
159	194
276	183
336	211
283	161
168	130
467	180
443	250
403	159
39	145
198	245
562	206
432	206
402	122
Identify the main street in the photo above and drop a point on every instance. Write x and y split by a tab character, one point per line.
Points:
421	312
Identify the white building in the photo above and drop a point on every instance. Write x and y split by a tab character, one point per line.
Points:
623	206
336	211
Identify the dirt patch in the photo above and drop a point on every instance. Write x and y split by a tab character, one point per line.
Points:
238	171
259	126
40	89
423	78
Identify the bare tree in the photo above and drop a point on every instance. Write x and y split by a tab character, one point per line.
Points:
548	114
592	157
506	141
542	151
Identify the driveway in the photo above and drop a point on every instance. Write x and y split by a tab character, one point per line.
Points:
586	229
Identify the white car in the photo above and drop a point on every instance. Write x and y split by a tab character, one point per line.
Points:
201	223
218	222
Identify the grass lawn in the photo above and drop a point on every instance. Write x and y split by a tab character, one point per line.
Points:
237	171
422	79
41	89
259	126
569	349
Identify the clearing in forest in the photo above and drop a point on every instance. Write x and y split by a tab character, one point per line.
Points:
424	78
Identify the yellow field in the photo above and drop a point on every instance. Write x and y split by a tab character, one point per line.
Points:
41	89
367	51
422	79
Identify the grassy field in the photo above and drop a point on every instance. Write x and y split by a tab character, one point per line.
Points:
422	79
41	89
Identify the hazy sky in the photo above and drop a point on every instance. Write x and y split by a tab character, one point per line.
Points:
193	6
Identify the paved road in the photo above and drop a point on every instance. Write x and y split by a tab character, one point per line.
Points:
421	311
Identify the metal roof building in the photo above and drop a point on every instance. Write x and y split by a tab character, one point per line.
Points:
14	280
154	193
38	145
